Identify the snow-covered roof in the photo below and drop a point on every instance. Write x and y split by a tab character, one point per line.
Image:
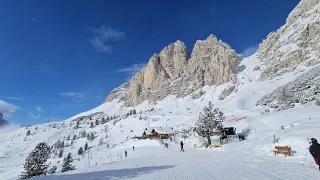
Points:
148	131
164	130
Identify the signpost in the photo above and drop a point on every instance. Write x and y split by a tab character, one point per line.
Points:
215	141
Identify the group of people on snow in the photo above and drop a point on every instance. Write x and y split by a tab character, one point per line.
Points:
181	146
166	145
314	150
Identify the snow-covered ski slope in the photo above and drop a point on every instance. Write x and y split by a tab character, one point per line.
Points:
250	159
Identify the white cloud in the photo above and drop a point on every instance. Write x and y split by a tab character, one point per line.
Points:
249	51
73	95
33	116
103	36
12	97
132	70
7	108
39	109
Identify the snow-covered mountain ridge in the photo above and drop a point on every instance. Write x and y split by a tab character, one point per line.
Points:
295	43
114	125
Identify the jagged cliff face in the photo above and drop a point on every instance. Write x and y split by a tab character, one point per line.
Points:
174	71
295	43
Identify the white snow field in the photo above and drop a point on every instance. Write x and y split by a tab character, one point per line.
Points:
249	159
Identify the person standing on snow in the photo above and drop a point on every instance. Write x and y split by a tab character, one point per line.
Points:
133	148
315	151
166	145
181	145
125	153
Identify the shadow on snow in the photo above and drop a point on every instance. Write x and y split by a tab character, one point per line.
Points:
107	174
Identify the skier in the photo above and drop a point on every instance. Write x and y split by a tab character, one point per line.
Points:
315	151
181	144
125	153
133	148
166	145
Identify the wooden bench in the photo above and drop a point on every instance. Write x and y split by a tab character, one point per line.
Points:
286	150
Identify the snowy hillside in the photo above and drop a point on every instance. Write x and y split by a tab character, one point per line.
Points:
180	113
250	104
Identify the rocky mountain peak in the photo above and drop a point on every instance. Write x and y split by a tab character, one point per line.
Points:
301	10
293	44
177	72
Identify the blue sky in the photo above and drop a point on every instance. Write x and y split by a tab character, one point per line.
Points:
62	57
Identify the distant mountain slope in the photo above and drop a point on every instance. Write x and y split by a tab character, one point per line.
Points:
174	87
3	122
295	43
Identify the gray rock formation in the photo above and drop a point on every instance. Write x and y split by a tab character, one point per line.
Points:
175	72
295	43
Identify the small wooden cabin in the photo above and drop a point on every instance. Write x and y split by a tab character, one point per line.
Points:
163	132
158	132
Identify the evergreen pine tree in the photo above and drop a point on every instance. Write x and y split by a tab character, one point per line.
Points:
86	147
134	112
67	166
57	144
88	137
28	133
60	153
62	144
97	122
74	137
68	138
35	164
91	125
108	118
210	122
131	112
80	151
53	170
77	125
92	136
103	120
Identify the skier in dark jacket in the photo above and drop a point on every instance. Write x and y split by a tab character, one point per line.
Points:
181	144
125	153
315	151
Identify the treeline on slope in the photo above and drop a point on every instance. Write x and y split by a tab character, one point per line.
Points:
208	124
36	162
302	90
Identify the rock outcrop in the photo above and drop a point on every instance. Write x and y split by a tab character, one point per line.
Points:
174	71
295	43
3	122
